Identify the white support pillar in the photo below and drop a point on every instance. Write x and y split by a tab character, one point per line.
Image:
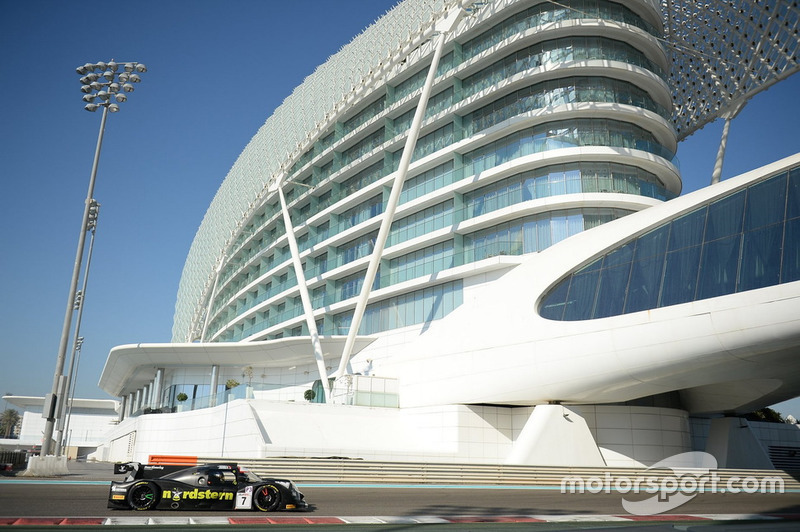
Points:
211	299
723	143
308	309
214	385
155	393
444	27
716	174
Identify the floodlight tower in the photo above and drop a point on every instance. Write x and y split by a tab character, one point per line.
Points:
104	85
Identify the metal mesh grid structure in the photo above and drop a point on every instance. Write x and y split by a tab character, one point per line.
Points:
722	53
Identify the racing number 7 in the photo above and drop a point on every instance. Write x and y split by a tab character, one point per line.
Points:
244	499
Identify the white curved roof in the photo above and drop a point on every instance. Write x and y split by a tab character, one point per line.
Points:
722	54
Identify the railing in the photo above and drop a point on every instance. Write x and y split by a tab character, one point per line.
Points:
337	470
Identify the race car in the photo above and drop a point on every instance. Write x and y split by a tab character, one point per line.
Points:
202	487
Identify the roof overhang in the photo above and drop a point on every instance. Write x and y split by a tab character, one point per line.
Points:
131	367
27	402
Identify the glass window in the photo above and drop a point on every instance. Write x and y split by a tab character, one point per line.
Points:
791	252
611	293
745	241
680	276
718	267
580	301
793	207
725	217
766	203
687	230
761	258
644	284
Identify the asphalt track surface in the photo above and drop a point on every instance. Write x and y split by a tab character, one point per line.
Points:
391	507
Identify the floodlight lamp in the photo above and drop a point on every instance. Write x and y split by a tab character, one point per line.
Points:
127	87
81	70
96	85
114	87
86	88
120	97
140	67
108	75
134	78
103	95
88	67
91	107
113	108
123	77
128	67
112	66
101	65
89	98
85	80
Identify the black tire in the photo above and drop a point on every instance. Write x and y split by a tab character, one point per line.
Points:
267	498
143	496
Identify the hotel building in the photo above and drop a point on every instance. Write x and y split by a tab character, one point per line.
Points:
461	239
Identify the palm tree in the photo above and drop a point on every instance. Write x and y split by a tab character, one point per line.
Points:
8	420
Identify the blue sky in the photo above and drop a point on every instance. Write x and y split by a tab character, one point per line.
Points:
217	70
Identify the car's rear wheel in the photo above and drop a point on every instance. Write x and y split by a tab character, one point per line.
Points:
143	496
267	498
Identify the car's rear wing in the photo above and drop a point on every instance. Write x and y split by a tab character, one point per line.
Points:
136	470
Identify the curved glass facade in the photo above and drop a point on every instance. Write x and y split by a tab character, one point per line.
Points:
575	89
747	240
256	293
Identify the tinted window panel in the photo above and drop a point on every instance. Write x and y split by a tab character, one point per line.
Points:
611	296
581	296
793	207
766	203
553	307
644	284
718	268
791	252
725	217
680	276
687	230
747	241
652	244
761	258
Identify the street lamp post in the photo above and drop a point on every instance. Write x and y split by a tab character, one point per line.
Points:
107	84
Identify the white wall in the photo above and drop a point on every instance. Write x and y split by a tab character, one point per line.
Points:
625	436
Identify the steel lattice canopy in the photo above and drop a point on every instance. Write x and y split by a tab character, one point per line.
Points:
724	52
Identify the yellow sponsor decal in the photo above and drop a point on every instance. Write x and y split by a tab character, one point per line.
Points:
197	494
118	497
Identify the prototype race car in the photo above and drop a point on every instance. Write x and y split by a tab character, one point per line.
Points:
202	487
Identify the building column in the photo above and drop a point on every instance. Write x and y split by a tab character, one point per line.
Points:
130	405
214	383
443	27
155	392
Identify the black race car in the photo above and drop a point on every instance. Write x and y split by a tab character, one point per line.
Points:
202	487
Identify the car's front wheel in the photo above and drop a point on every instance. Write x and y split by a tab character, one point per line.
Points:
143	496
267	498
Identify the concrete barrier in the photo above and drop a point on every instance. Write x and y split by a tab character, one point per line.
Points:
46	466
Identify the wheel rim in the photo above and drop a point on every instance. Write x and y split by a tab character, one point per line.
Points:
267	498
142	496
